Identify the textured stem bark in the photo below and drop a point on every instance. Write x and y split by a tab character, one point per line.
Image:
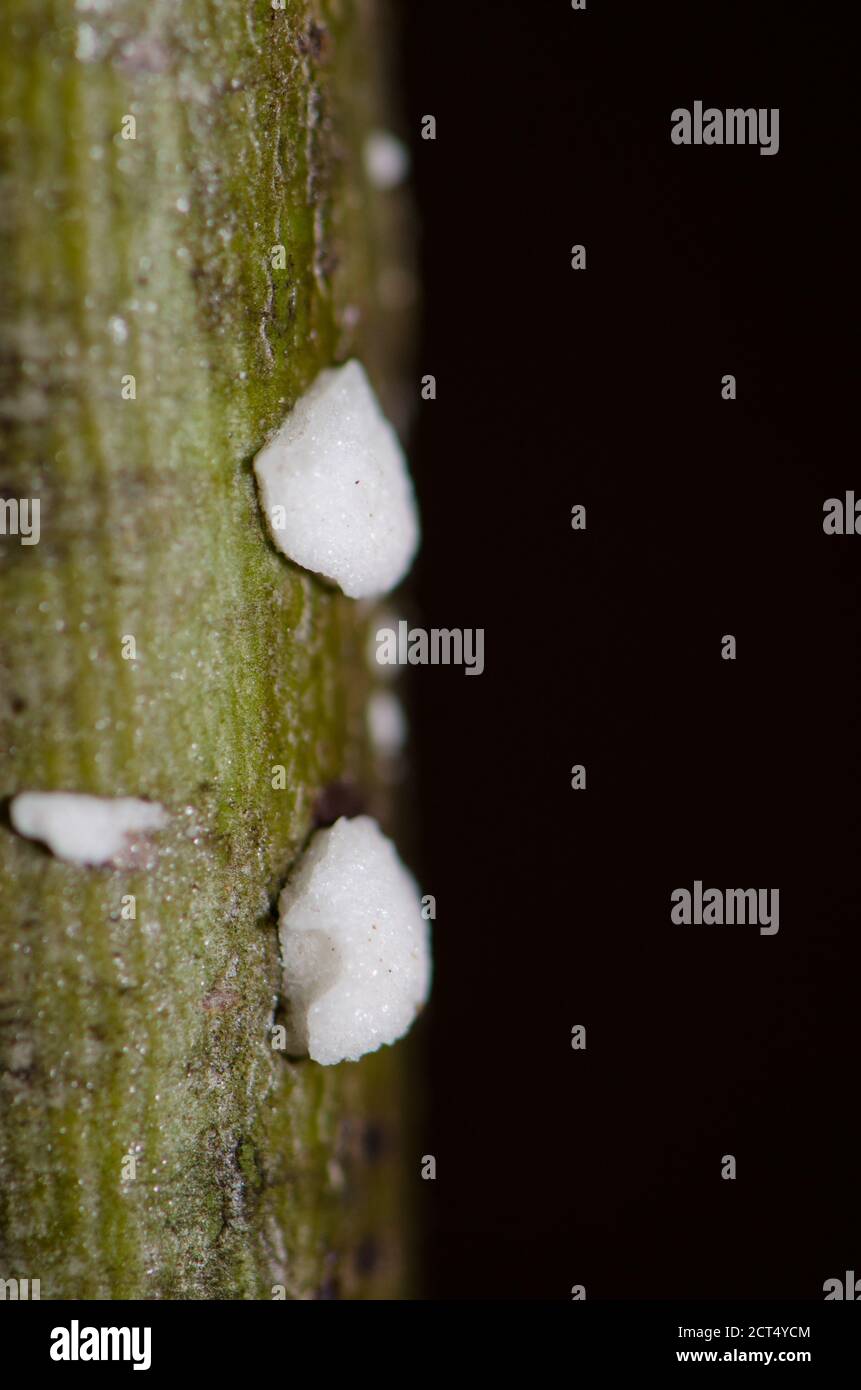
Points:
151	258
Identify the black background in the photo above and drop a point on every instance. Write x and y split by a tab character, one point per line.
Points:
558	387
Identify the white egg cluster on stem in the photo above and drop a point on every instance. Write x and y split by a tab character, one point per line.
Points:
335	488
354	943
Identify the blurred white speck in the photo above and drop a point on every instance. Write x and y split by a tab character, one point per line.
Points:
85	47
387	159
118	329
387	724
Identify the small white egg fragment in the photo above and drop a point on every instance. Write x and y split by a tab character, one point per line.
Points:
387	159
354	945
84	829
335	487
